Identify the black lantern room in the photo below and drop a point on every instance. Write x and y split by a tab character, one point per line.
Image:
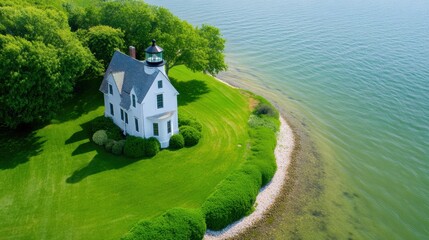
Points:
154	55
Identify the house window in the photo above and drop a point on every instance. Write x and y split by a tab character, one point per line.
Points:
169	127
124	116
160	84
155	129
136	121
111	110
110	89
134	100
160	101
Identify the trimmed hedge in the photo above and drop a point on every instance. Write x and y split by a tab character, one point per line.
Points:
190	135
100	137
105	123
137	147
186	120
134	147
109	144
118	147
177	141
233	197
263	143
152	147
175	224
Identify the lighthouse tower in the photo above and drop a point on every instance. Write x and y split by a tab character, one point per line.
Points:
154	59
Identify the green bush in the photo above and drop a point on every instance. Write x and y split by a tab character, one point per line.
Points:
190	135
152	147
186	120
109	144
263	143
266	109
118	147
256	121
105	123
175	224
134	147
100	137
233	198
177	141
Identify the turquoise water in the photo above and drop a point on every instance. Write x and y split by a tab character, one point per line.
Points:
356	73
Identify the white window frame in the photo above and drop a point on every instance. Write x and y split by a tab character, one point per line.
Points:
160	102
110	89
155	127
133	99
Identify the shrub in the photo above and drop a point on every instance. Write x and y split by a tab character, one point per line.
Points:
186	120
176	223
177	141
118	147
134	147
100	137
109	144
233	198
265	108
105	123
152	147
262	152
256	121
190	135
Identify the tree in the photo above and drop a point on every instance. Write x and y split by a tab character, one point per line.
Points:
181	43
134	18
103	41
82	18
39	61
215	47
198	49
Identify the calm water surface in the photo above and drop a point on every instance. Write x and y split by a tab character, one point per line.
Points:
356	72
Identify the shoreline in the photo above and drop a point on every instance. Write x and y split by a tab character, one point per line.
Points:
269	194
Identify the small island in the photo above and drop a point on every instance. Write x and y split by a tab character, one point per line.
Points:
60	184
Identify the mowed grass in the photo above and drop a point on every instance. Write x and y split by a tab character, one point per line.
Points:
56	184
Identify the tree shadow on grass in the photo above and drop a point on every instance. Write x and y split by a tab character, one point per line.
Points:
86	98
101	162
18	146
189	91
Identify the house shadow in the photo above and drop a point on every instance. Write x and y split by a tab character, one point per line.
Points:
102	161
17	146
189	91
85	133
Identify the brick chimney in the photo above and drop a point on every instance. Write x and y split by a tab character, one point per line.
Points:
132	52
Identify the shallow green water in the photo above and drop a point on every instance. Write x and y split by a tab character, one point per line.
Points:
356	74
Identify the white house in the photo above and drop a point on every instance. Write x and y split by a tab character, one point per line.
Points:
139	97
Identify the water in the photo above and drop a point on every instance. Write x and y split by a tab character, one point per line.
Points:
356	73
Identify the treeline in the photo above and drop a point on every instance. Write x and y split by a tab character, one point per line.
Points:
46	49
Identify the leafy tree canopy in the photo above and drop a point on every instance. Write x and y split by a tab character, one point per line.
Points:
200	49
40	58
103	41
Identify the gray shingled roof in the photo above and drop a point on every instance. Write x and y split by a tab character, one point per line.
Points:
132	74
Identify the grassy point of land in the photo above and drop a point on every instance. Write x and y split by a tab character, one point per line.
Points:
58	185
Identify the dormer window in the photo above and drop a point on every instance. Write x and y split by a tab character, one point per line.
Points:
134	100
110	89
160	84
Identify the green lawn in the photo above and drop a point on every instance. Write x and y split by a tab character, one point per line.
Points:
55	184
